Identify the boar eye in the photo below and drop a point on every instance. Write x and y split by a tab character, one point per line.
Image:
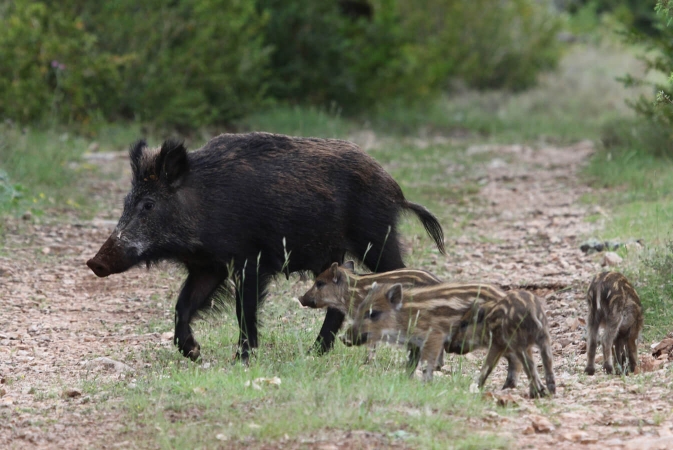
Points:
148	206
464	324
373	315
319	284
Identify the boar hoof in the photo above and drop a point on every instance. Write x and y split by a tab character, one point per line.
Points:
509	384
194	353
589	370
608	368
242	357
537	393
551	387
190	348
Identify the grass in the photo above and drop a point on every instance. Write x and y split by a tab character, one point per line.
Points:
181	404
41	170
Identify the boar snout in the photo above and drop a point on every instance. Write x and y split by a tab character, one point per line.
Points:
111	258
305	301
99	268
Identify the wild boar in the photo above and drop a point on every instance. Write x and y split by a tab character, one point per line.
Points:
422	318
615	305
341	288
250	206
509	326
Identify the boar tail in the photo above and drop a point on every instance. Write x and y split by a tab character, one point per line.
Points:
430	223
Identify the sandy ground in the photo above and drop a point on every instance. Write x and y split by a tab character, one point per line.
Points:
57	318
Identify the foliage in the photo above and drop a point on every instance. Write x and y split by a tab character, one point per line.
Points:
487	44
50	65
187	64
326	58
183	64
639	14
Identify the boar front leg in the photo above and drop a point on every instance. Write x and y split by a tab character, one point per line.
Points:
249	293
198	289
492	358
333	321
432	349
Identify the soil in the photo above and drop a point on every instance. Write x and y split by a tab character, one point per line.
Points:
57	318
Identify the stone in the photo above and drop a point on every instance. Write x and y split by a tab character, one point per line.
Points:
611	259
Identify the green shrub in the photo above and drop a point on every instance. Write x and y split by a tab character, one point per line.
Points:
49	65
656	130
323	57
487	44
185	64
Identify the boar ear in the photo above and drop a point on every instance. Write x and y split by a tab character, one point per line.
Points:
480	315
172	162
349	265
136	154
334	270
394	296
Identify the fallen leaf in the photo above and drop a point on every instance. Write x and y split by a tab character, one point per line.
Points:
649	364
541	424
72	393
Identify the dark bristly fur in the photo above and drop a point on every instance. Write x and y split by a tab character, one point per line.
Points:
509	326
259	204
615	305
423	318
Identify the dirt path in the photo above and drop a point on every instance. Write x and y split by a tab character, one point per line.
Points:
56	317
529	235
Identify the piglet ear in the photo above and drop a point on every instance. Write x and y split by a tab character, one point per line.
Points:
394	296
172	163
334	270
349	265
480	315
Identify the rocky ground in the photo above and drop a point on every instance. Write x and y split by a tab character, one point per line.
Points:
62	329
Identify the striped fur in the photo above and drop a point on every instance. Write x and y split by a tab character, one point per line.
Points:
615	305
509	327
341	288
422	318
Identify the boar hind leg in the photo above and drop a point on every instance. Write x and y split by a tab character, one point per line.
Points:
546	354
198	289
592	342
384	254
609	335
513	370
632	352
536	387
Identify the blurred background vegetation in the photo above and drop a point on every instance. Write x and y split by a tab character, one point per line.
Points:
186	64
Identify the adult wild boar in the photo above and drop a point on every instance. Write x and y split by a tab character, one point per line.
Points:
256	204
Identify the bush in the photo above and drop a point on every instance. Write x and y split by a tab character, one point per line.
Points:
49	65
487	44
182	64
185	64
657	111
324	57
